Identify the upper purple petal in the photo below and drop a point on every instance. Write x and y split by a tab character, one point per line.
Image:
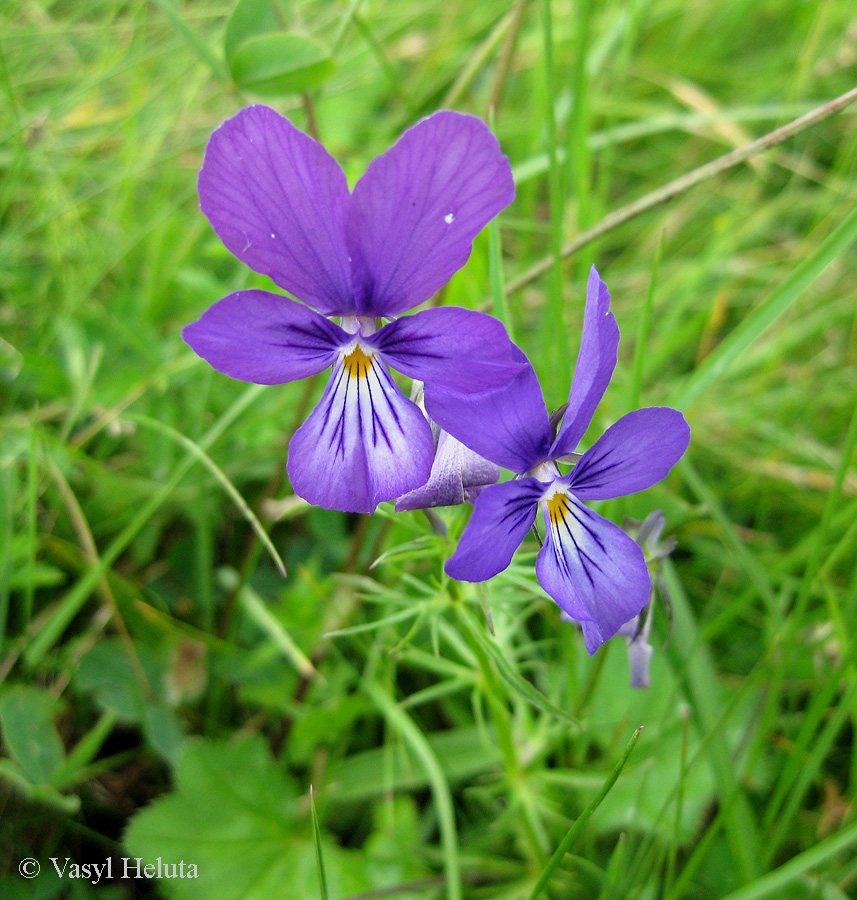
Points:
416	211
502	516
632	455
509	425
265	338
596	360
451	348
592	569
365	442
457	474
278	200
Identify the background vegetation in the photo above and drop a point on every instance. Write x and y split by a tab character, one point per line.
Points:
165	692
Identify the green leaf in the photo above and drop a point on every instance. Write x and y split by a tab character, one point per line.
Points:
27	717
276	64
233	815
113	678
249	19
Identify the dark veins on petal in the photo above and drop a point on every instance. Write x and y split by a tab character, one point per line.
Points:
582	554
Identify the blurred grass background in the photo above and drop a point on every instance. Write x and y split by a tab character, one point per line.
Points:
148	646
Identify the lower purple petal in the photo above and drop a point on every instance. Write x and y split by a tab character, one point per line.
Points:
457	475
451	348
264	338
632	455
364	443
502	516
591	568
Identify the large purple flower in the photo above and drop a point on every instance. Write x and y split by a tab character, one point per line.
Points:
594	571
281	204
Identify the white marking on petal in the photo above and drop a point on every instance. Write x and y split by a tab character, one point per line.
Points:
362	411
449	218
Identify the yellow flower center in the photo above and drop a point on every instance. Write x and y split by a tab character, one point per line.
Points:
357	363
557	507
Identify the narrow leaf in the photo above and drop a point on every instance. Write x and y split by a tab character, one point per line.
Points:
510	675
772	884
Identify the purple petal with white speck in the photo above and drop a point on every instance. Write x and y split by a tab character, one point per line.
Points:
278	200
632	455
414	214
265	338
596	361
364	443
502	516
591	569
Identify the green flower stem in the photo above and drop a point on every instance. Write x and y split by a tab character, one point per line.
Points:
534	832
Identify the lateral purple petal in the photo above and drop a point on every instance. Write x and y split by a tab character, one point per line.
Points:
509	425
592	569
502	516
632	455
264	338
457	475
364	443
278	200
416	211
449	347
596	360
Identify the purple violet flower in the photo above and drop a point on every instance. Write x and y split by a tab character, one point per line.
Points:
281	204
595	572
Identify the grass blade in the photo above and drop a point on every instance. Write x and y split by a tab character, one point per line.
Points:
222	478
402	722
731	348
319	858
573	833
772	883
72	602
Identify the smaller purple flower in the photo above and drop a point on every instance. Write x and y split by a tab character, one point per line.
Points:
594	571
281	203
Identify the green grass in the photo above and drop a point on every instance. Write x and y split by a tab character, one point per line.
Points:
149	646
